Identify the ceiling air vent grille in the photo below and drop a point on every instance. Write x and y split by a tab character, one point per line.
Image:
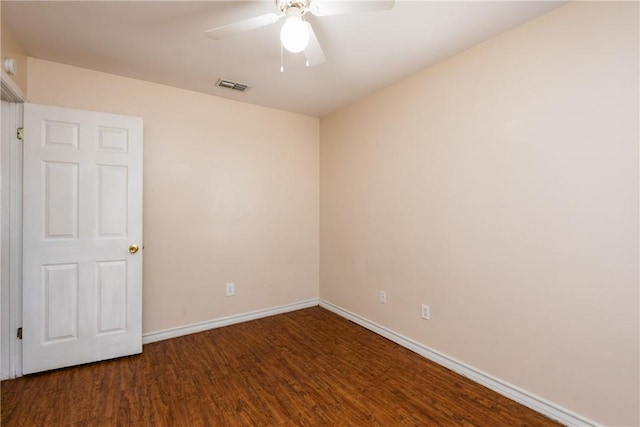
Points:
232	85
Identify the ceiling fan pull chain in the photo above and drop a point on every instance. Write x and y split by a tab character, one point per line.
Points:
306	62
281	58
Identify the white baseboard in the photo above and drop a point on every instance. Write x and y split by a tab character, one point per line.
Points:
521	396
224	321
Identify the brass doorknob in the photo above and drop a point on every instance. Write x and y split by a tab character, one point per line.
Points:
133	249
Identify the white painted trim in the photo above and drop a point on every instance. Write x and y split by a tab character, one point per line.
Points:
12	243
521	396
15	238
12	225
11	92
224	321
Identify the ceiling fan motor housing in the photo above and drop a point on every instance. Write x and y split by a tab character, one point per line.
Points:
293	5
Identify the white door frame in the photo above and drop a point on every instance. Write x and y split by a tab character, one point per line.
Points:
11	226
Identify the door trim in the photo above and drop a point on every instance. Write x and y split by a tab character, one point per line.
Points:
11	92
11	224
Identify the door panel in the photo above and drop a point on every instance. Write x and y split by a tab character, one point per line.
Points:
112	201
60	286
60	191
60	133
112	296
82	204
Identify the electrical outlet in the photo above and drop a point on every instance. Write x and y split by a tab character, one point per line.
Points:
231	289
426	312
383	297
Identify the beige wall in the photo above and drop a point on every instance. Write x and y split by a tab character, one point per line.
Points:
230	194
501	188
12	49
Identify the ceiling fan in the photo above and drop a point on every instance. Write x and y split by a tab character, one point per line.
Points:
296	34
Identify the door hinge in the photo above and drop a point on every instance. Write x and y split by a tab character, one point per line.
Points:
19	334
20	134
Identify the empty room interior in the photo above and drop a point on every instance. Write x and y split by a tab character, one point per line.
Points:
428	205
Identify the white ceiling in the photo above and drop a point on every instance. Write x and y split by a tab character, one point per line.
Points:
164	42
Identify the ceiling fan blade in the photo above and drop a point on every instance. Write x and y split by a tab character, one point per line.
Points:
334	7
242	26
313	53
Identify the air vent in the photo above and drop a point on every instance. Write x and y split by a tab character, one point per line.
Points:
232	85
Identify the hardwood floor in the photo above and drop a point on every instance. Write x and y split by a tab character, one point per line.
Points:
308	367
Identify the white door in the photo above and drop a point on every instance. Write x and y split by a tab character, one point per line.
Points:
82	217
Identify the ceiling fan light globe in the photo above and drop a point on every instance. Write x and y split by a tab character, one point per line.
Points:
294	34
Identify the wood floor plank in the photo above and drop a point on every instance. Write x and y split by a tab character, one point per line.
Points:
305	368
